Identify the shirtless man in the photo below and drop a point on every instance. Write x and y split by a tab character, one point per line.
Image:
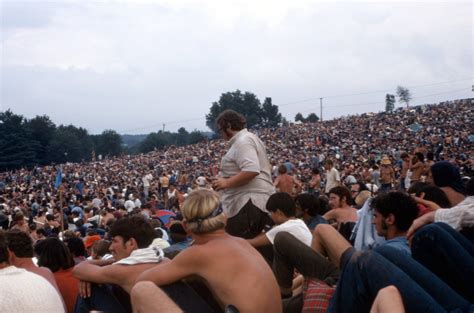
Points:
285	182
341	211
131	238
235	272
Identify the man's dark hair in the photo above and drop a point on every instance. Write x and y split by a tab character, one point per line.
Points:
76	246
420	156
309	203
315	171
362	186
20	243
230	119
282	169
53	254
3	248
177	233
283	202
135	227
342	192
431	193
430	156
401	205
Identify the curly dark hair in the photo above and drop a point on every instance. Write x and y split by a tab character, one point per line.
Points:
400	204
230	119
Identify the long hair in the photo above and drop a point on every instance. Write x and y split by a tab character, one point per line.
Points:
53	254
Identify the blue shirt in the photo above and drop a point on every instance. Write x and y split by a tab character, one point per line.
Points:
315	220
400	243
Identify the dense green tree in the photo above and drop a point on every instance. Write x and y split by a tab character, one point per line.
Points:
312	118
157	140
109	143
196	136
404	95
299	118
270	115
182	137
64	146
41	129
246	104
17	149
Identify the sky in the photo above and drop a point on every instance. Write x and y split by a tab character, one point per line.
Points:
132	66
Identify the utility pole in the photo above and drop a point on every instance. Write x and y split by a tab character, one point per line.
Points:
321	108
164	127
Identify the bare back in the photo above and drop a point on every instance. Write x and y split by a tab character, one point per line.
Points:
235	272
285	183
239	275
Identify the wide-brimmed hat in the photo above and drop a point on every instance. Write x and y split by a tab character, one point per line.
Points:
385	161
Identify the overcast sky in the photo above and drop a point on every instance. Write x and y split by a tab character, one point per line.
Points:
133	65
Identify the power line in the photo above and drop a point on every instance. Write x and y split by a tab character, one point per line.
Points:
380	102
320	98
370	92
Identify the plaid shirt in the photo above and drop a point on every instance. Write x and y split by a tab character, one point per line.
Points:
316	296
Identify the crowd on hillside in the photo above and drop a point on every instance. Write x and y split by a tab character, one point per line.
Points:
71	210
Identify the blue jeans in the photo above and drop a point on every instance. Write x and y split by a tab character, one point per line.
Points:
365	273
103	299
448	254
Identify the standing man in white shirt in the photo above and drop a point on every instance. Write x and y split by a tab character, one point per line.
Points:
333	179
244	181
146	184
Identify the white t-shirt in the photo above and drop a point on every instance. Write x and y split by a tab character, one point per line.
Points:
296	227
22	291
146	180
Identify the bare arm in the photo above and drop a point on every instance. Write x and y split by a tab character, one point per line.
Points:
185	264
260	240
238	180
86	271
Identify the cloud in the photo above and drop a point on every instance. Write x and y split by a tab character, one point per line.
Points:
128	64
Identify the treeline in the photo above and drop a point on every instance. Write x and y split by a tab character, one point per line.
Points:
38	141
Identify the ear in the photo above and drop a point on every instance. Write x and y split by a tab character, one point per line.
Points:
390	219
132	243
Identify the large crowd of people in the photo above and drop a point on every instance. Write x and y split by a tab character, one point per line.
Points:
358	213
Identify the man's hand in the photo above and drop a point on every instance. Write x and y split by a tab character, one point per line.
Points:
220	183
419	222
85	289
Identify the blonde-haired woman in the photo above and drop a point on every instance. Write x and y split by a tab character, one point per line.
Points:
236	273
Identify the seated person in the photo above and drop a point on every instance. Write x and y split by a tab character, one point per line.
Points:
132	255
20	246
438	244
394	212
309	209
179	238
22	291
283	213
53	254
341	211
235	272
100	250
